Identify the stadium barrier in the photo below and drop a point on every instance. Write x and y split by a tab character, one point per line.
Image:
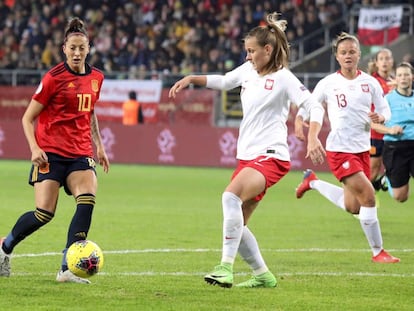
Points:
159	144
182	133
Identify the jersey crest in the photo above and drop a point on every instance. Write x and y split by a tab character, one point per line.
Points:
269	84
95	85
365	88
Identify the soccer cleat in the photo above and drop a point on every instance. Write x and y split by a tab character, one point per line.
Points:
384	257
380	183
4	261
264	280
304	186
69	277
222	275
377	184
384	183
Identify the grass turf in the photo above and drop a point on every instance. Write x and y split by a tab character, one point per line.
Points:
160	229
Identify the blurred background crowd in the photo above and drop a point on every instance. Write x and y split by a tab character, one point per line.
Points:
170	36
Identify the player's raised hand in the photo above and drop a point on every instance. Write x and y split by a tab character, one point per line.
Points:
178	86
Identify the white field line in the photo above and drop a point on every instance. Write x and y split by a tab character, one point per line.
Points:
200	274
208	250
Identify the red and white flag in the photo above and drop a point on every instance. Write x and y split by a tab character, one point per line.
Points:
379	26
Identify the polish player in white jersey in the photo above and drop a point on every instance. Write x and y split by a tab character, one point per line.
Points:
348	104
348	95
267	88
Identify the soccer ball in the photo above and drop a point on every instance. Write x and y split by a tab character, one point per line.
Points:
84	258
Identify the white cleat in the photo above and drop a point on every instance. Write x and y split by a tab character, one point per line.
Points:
69	277
4	261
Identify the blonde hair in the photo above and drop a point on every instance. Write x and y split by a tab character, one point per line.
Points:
274	35
342	37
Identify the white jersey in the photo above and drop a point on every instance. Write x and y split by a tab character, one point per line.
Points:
348	103
265	103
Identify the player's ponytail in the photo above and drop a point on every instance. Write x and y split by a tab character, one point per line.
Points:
273	34
75	26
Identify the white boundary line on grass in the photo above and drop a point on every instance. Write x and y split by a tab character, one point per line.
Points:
207	250
278	274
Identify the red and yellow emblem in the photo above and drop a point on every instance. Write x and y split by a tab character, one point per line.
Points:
95	85
44	169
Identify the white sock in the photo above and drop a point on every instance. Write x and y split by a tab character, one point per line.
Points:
333	193
371	227
232	226
249	251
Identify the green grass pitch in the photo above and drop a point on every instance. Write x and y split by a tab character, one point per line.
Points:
160	230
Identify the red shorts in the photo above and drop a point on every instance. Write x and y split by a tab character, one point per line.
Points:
345	164
272	169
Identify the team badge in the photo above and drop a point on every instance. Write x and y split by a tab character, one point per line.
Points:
44	169
95	85
365	88
269	84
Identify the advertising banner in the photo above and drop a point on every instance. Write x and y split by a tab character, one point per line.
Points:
379	26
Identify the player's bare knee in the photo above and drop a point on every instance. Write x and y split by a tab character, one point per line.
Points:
401	197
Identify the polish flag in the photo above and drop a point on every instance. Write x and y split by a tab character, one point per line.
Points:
379	26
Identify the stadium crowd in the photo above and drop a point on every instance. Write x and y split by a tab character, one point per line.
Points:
152	36
173	36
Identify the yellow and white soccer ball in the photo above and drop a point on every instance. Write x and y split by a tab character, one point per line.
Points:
84	258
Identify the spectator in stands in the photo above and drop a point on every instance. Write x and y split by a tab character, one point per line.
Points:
313	26
160	21
408	58
382	69
132	110
262	151
348	94
4	12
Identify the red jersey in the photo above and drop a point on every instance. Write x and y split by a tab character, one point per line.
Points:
64	125
385	88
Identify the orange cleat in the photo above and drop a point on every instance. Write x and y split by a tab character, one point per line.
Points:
304	186
384	257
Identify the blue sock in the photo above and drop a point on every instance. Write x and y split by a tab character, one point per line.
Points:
389	187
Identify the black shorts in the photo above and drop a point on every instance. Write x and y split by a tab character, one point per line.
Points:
58	168
398	158
377	147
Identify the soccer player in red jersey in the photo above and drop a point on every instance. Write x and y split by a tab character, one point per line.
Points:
61	147
381	68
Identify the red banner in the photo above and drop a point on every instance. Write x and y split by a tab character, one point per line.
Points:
185	145
183	134
190	107
379	26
